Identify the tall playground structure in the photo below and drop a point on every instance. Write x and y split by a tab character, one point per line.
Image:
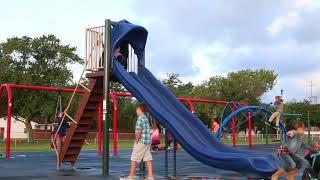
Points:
188	130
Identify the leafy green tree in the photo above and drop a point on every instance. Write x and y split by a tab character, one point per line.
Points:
245	85
40	61
302	107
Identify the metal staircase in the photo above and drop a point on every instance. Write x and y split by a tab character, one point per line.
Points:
83	120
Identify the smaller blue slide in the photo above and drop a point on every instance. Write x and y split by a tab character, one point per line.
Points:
186	128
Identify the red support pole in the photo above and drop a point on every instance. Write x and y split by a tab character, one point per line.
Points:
100	128
250	129
234	132
115	123
9	111
233	124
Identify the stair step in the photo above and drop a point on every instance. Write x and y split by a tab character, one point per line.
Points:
79	136
96	98
70	158
76	143
97	91
88	113
73	150
91	106
86	121
82	128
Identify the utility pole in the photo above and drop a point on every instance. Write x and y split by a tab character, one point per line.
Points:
313	99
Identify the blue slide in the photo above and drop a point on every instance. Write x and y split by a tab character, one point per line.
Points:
188	129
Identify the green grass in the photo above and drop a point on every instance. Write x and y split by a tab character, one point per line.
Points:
44	145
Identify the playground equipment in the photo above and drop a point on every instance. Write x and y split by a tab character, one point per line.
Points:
9	88
189	101
239	113
186	128
101	67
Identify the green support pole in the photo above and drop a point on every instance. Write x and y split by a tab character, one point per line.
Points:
142	168
309	128
106	90
267	135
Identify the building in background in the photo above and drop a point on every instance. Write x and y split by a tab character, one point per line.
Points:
19	131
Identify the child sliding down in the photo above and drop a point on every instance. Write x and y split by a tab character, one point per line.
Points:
292	162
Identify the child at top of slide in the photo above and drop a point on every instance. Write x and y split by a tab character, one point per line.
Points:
279	106
120	56
292	162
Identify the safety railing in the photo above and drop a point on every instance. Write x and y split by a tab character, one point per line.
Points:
94	45
132	61
94	52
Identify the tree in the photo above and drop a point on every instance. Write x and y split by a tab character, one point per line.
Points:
36	61
303	107
245	85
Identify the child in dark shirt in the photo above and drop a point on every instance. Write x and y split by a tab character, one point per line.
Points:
292	162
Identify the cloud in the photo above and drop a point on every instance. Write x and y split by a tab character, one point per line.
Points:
222	36
196	40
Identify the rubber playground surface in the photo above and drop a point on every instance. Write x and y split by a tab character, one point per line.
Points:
41	165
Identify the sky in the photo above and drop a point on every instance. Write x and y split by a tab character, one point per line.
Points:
196	39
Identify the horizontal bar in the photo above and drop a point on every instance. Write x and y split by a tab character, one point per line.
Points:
288	114
191	99
45	88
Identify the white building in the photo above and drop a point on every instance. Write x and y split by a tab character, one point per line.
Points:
18	128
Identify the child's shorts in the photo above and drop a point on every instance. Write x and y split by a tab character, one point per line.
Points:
141	152
290	161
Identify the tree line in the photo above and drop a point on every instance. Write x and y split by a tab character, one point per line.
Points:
44	61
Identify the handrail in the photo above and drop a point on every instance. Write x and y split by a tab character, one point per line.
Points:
64	115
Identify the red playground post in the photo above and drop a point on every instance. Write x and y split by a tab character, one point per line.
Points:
234	132
100	128
115	123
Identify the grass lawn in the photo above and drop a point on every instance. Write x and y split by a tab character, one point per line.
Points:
44	145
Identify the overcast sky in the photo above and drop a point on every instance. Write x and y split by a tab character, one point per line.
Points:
196	39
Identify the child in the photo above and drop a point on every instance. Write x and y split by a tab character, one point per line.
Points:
141	148
60	137
215	125
276	115
292	162
120	57
155	137
313	157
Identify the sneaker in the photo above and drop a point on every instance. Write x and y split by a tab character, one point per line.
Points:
128	178
149	178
